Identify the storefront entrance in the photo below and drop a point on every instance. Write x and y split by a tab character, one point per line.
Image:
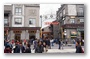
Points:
32	37
17	37
82	34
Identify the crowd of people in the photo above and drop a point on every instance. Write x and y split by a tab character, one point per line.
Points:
39	45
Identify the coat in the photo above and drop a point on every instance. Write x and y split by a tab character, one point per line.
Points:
28	50
23	49
39	49
7	51
17	49
78	49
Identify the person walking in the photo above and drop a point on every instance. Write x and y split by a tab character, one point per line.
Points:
44	47
35	44
62	44
51	41
59	44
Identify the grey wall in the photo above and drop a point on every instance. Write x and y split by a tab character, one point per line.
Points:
28	14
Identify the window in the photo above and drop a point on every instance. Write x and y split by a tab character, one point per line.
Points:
32	21
5	21
81	20
18	20
80	12
63	11
18	10
72	21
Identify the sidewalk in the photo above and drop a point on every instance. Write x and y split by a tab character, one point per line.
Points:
61	50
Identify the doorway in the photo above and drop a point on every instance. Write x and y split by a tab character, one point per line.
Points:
17	37
82	34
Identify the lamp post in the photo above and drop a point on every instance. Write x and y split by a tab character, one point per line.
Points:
41	25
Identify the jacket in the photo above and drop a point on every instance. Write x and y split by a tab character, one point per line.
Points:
17	49
78	49
39	49
28	50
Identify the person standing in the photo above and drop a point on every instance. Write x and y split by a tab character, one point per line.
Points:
7	49
39	48
28	49
17	48
22	48
78	47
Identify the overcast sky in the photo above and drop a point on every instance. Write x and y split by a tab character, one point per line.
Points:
49	8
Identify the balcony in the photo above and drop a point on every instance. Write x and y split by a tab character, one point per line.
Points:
80	14
73	26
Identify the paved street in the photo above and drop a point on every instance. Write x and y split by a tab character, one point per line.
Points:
70	48
66	49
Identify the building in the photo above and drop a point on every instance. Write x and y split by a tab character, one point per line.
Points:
71	18
21	21
54	27
46	24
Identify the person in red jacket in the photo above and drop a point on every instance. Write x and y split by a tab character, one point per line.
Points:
7	49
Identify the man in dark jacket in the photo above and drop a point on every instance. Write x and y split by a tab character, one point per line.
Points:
39	48
59	44
17	48
28	49
22	48
78	47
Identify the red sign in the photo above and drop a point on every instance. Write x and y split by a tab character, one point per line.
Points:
54	23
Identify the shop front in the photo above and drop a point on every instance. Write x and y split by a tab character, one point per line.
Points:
22	33
17	35
73	34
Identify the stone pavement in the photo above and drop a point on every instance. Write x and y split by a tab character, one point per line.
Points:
66	49
61	50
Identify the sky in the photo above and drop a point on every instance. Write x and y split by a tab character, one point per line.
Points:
48	8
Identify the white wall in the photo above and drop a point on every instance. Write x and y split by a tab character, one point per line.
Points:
16	16
24	35
72	10
12	35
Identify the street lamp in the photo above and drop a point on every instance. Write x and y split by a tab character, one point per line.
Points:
41	25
